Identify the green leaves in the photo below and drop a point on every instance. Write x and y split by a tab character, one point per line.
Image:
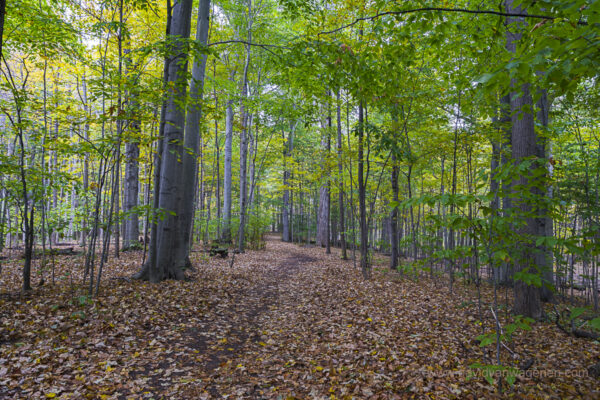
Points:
528	278
490	371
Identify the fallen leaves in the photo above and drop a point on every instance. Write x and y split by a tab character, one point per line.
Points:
288	322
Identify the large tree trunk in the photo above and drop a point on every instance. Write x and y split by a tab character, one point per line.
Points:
162	261
192	138
524	145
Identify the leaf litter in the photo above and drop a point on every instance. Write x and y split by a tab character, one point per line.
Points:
284	323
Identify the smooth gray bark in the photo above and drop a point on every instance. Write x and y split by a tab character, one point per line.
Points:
192	138
164	265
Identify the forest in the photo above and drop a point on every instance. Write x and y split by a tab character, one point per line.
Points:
255	199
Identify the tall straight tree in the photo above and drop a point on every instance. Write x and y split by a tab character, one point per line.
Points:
324	203
192	137
524	145
244	138
286	209
226	237
162	261
132	169
544	259
394	216
362	202
340	175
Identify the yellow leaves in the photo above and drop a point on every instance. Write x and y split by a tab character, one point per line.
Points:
262	344
370	319
223	341
50	395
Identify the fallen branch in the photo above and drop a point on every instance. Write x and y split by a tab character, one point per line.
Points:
580	333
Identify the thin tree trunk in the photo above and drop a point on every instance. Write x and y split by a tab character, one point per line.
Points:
394	217
340	177
244	139
227	172
132	169
289	147
364	251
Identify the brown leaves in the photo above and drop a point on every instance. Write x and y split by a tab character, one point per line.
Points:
288	322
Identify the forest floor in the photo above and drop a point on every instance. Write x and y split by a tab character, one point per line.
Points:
286	322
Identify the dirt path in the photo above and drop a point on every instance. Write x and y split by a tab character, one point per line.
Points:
287	322
241	326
